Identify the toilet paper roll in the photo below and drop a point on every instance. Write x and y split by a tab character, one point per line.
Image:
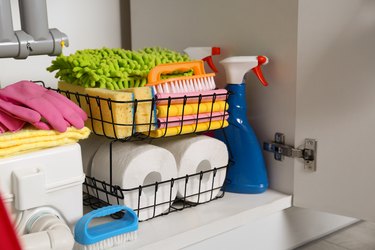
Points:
88	150
194	154
135	164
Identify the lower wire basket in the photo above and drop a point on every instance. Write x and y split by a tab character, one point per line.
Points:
98	193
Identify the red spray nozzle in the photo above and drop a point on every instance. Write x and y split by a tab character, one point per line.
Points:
208	59
210	63
215	51
258	71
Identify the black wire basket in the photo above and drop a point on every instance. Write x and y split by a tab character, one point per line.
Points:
105	119
126	120
98	193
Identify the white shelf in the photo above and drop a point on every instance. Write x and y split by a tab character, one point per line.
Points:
183	228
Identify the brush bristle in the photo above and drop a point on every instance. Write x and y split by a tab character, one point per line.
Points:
108	243
186	85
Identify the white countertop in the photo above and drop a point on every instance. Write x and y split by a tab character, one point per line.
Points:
191	225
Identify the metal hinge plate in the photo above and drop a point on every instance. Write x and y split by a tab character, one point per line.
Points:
307	152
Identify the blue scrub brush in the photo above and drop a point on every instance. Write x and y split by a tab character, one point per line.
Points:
108	235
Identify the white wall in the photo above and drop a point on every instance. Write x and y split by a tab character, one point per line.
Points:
239	27
87	23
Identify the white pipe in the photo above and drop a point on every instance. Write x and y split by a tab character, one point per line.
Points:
47	232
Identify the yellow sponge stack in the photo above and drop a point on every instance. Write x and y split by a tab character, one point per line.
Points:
116	118
182	111
190	128
112	119
145	111
191	108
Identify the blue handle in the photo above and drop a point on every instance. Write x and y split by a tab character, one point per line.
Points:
85	235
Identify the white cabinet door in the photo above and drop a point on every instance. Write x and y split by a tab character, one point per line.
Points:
336	106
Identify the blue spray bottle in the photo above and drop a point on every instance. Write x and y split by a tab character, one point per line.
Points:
246	170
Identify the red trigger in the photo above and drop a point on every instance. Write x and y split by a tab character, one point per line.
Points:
258	71
208	59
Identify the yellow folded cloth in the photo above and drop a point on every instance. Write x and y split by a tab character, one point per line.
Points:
32	139
186	129
190	108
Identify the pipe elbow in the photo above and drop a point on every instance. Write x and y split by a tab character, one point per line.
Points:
47	232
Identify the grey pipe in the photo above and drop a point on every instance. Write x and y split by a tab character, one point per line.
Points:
34	19
35	38
6	23
10	45
34	22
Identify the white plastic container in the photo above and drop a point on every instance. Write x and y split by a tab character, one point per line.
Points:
45	178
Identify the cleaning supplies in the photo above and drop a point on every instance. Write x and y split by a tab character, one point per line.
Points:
246	169
108	235
180	111
9	123
31	139
145	109
200	81
192	97
12	112
188	129
176	121
112	119
112	68
115	114
58	111
177	91
190	109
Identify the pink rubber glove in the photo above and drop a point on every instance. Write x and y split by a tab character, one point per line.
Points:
22	113
3	129
10	123
57	110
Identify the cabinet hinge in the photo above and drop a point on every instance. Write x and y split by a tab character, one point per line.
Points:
307	152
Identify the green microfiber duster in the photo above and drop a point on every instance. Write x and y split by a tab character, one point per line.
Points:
114	68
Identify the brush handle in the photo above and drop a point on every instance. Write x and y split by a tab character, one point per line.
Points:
85	235
155	73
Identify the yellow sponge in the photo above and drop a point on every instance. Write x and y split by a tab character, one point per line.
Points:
190	108
112	119
145	114
186	129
